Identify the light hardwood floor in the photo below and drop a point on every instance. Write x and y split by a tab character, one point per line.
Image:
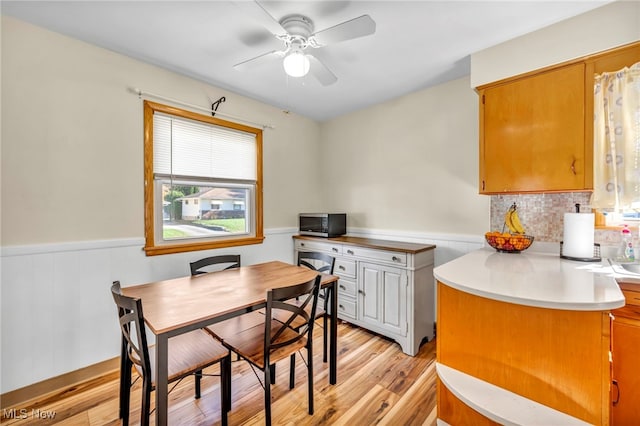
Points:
377	384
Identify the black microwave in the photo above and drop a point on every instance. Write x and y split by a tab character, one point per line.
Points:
323	224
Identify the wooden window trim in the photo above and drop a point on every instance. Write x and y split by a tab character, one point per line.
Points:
151	248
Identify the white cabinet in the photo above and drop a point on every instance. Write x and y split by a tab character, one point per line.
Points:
382	298
385	286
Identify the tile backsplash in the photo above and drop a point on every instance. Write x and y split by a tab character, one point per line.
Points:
542	215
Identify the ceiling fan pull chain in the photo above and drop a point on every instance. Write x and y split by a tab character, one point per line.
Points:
216	104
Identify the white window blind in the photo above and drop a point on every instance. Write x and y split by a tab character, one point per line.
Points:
185	147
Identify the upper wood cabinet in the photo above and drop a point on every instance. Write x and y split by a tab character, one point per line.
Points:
536	130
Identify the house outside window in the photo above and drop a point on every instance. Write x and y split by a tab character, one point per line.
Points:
198	170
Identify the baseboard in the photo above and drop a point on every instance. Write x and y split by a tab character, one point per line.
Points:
55	384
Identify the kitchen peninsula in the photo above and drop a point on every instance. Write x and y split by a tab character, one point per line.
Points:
523	338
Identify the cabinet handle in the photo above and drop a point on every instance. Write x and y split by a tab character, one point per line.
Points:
333	249
573	166
361	292
615	384
341	267
395	259
349	251
342	287
341	307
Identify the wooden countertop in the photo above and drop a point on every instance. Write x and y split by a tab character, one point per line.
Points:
373	243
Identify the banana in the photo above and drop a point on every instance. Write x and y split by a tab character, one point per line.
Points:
508	221
515	220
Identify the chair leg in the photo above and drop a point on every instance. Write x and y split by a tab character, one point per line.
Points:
198	377
325	339
325	330
225	388
267	396
272	372
292	371
145	411
310	376
124	390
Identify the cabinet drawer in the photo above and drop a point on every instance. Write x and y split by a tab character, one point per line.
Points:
345	267
394	257
632	297
627	311
347	288
308	245
346	308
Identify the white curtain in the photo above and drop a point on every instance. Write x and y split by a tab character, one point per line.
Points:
616	131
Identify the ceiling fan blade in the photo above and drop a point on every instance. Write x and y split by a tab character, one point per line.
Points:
257	12
357	27
321	72
258	60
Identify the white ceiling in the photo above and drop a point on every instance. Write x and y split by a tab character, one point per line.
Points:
417	44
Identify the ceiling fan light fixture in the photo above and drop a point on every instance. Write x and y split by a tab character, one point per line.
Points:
296	63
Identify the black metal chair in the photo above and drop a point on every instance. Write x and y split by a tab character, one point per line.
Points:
323	263
199	266
189	354
264	345
236	324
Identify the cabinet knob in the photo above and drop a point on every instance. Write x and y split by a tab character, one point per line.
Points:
301	244
342	287
341	307
341	267
361	292
395	259
333	249
349	251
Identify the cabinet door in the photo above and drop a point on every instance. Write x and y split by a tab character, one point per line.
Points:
532	133
382	297
626	364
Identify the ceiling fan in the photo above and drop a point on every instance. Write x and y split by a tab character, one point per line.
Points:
297	33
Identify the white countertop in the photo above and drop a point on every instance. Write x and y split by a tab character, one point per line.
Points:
534	279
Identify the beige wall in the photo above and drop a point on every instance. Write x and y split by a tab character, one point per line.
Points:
612	25
410	164
72	149
72	140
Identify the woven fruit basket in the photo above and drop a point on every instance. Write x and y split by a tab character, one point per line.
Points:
508	243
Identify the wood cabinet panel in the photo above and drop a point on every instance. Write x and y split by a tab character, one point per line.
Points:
540	354
626	374
536	130
533	133
625	356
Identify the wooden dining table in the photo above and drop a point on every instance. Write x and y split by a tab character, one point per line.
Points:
176	306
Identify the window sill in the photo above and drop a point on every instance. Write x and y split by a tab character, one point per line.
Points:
152	250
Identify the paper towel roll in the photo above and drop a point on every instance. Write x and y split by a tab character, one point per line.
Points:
578	235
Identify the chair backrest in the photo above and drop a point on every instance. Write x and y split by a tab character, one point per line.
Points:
280	299
233	259
134	337
317	261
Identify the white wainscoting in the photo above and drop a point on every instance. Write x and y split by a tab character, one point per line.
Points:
448	247
58	315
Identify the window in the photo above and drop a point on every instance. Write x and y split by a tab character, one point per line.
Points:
198	170
617	145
